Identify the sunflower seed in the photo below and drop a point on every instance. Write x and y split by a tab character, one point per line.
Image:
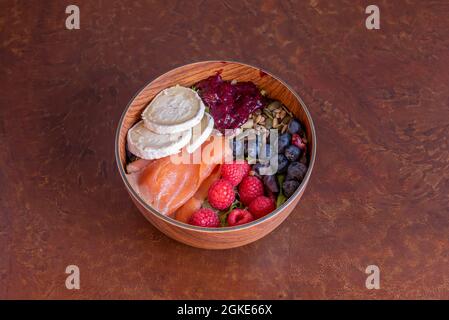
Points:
286	119
274	105
282	114
284	128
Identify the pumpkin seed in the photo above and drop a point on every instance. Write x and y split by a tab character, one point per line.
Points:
286	119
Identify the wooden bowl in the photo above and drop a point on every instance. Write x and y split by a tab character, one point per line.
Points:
188	75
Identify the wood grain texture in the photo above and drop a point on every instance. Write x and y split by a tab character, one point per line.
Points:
379	193
187	76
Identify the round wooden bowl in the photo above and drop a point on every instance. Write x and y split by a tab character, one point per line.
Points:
220	238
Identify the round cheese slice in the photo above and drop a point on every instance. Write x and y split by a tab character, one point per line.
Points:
149	145
200	133
174	109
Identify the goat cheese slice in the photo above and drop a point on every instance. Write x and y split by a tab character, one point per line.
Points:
149	145
200	133
173	110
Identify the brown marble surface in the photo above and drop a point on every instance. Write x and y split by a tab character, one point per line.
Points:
378	193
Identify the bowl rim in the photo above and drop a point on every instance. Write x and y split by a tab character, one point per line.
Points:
189	227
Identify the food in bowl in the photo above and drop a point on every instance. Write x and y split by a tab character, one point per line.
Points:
217	154
230	103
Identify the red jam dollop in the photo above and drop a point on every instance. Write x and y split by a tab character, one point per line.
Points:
229	104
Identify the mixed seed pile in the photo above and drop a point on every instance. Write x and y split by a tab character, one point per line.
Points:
274	116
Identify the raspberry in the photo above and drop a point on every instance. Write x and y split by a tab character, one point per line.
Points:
239	216
261	206
246	168
205	218
250	188
297	141
234	172
221	194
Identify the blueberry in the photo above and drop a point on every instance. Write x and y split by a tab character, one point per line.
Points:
282	163
256	168
289	187
265	156
292	153
269	151
283	141
238	148
294	126
271	183
253	147
296	171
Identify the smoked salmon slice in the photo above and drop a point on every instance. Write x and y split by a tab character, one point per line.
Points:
137	165
184	213
166	184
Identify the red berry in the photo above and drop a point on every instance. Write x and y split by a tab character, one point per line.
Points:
250	188
297	141
261	206
246	168
205	218
234	172
221	194
239	216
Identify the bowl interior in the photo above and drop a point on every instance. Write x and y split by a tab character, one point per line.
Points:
190	74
